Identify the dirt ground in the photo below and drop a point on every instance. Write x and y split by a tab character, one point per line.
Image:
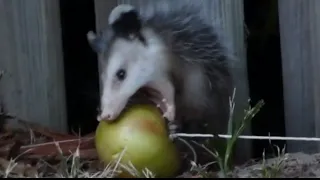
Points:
296	165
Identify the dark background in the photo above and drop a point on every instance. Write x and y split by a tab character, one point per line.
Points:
264	68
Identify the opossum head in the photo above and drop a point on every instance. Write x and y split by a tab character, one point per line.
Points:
133	58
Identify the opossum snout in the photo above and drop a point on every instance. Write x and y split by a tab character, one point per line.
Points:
107	116
110	111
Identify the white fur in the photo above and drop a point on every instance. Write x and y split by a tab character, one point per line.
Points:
143	65
117	11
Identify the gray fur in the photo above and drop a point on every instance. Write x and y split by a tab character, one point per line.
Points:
197	51
195	42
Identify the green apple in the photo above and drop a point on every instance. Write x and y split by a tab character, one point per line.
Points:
139	135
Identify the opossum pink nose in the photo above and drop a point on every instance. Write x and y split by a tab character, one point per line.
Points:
110	117
106	117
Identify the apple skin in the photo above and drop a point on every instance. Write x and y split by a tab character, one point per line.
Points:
141	130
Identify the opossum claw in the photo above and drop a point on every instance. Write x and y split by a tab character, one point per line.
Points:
172	130
170	112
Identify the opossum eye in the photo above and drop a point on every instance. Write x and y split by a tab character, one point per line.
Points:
121	74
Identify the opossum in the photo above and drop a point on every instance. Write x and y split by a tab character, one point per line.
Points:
173	54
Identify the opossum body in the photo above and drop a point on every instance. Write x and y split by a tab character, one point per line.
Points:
175	55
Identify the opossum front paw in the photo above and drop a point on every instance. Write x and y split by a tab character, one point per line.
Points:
172	130
169	112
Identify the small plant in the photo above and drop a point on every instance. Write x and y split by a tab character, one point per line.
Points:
235	132
66	170
273	170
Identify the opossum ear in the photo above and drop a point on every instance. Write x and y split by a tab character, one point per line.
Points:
95	42
125	20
